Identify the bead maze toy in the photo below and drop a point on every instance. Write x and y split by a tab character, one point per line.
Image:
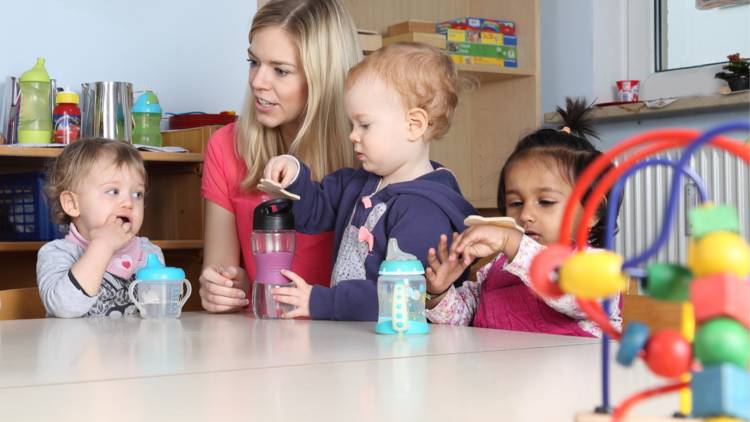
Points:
707	360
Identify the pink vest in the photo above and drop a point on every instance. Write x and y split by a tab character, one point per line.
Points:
507	303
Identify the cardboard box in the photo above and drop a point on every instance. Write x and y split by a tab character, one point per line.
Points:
425	27
479	24
193	139
494	61
483	50
435	40
479	37
369	41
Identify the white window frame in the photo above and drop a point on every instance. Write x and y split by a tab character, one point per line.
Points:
623	31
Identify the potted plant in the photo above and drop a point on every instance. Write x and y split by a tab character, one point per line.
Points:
738	74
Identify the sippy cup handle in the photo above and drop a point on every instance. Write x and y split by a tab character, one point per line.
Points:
399	310
133	299
188	291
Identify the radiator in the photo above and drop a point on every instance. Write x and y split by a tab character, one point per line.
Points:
728	182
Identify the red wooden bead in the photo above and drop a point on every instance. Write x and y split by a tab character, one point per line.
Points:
668	354
721	295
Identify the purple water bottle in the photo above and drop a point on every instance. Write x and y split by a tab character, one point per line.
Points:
273	249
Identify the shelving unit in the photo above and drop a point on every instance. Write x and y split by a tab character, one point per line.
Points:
680	107
173	217
491	118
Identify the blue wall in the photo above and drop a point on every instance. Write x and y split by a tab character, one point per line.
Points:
191	52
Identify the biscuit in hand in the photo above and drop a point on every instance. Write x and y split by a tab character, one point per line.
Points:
507	222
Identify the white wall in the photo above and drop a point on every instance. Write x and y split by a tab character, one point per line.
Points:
581	58
190	52
567	50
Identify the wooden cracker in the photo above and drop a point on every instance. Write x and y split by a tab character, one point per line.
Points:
507	222
275	190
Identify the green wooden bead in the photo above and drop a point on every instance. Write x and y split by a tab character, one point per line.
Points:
668	282
704	220
722	340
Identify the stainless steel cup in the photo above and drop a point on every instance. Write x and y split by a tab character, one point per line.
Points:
106	110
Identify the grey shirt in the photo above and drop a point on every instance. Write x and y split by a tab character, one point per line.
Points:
62	295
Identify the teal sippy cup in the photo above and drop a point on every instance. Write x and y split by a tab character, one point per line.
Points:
147	119
159	293
401	294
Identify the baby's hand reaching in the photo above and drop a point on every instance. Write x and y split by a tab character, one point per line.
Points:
444	267
484	240
281	169
115	233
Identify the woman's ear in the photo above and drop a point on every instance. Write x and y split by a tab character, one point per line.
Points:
418	122
69	202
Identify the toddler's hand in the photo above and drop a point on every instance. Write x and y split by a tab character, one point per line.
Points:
223	289
298	296
113	234
444	267
484	240
282	170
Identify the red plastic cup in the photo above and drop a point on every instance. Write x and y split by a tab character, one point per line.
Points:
627	90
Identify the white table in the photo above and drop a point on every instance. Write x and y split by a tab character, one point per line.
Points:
232	367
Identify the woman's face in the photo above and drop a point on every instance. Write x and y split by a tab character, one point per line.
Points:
277	80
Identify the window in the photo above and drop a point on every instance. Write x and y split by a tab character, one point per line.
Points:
688	35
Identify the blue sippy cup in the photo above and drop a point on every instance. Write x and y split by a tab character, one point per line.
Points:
401	294
159	292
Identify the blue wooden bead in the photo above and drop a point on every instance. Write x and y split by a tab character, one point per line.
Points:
721	390
632	342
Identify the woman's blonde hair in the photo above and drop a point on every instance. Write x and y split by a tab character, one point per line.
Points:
326	37
75	163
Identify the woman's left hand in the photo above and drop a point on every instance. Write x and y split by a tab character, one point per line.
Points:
298	296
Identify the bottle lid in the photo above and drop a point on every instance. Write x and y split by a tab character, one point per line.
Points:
147	103
275	214
398	262
155	270
66	97
36	74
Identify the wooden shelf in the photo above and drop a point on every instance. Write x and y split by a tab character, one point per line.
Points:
163	244
490	73
20	246
681	106
169	245
34	152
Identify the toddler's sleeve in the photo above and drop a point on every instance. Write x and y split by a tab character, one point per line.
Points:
527	250
60	292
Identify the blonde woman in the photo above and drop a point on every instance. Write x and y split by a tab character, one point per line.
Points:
299	54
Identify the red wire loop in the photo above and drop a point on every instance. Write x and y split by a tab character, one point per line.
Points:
624	407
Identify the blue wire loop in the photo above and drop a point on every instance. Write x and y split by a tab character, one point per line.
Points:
681	167
609	239
674	192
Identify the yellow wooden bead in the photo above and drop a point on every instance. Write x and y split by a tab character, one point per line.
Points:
720	252
592	274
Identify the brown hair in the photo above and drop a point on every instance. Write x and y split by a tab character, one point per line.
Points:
75	163
326	37
424	76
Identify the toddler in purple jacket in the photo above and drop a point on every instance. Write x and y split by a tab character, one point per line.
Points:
398	99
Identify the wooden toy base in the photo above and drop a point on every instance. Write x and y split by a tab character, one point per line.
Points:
595	417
